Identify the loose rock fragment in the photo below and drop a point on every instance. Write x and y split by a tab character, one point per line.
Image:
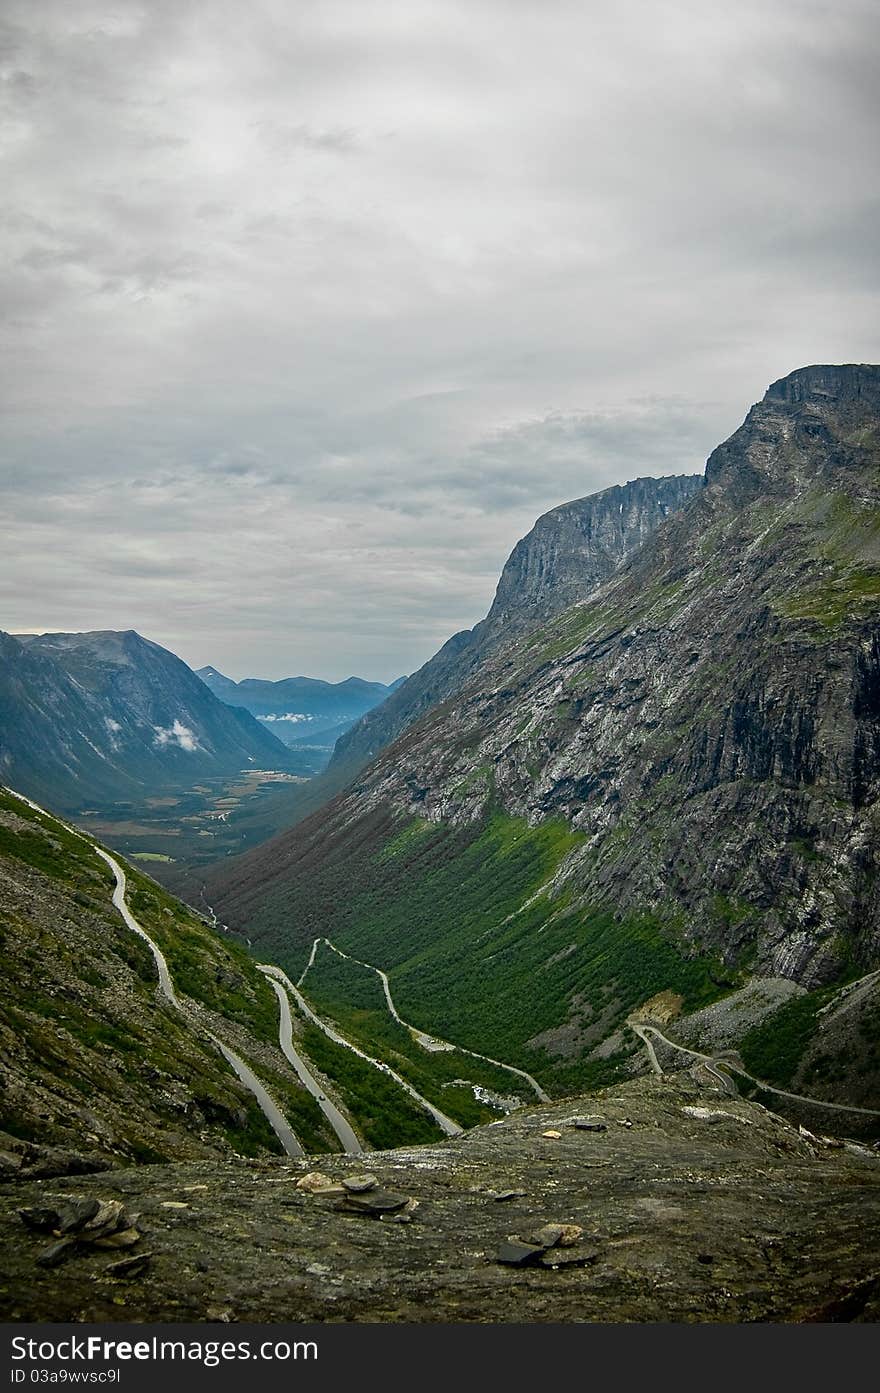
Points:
111	1216
56	1252
545	1237
360	1184
570	1235
313	1180
555	1235
125	1238
76	1214
40	1219
590	1124
376	1202
504	1195
82	1223
129	1267
515	1253
551	1132
402	1216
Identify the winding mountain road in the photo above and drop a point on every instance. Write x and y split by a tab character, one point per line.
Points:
431	1043
340	1124
712	1064
446	1124
639	1030
276	1119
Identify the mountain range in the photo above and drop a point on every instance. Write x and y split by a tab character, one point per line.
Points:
92	718
624	840
301	710
669	786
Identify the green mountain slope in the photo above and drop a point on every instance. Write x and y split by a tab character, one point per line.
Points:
97	1068
704	737
87	719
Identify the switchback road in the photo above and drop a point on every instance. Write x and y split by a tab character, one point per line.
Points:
445	1123
427	1042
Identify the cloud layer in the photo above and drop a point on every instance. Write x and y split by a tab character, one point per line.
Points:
310	310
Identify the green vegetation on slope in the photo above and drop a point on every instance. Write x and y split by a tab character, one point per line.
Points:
382	1112
476	948
92	1059
352	996
773	1050
839	597
217	972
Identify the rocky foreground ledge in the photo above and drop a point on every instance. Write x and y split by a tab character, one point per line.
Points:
656	1200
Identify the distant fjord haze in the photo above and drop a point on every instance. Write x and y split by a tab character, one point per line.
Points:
301	710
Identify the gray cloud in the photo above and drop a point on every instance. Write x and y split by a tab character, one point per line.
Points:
308	311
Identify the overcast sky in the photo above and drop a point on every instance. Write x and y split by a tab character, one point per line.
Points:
311	307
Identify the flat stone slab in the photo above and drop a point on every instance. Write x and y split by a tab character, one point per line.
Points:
513	1253
376	1202
360	1184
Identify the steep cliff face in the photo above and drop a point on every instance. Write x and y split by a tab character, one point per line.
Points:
704	734
572	549
710	720
567	555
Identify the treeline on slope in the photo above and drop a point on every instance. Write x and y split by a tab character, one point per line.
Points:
794	1049
384	1115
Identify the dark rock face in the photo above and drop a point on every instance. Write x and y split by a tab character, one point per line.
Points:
567	555
823	382
107	715
710	719
707	719
689	1207
571	550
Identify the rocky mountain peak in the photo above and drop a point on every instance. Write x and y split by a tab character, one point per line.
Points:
809	429
823	383
573	548
567	555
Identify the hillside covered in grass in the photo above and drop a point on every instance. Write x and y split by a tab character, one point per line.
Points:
97	1068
